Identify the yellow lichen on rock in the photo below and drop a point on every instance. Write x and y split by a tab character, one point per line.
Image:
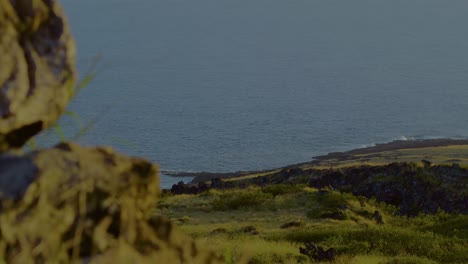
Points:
37	73
91	204
68	204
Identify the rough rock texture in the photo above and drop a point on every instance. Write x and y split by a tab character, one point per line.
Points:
74	203
317	253
68	204
37	57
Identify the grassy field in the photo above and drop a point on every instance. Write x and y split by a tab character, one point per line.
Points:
270	224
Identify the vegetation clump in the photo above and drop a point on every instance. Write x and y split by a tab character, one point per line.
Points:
290	219
236	199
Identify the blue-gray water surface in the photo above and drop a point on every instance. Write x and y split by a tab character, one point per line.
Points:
224	85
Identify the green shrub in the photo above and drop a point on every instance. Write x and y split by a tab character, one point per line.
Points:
442	224
282	189
331	205
315	213
184	219
391	241
210	193
385	240
240	198
365	214
408	260
277	258
334	200
303	236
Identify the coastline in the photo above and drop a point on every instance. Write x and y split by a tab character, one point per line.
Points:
396	145
332	158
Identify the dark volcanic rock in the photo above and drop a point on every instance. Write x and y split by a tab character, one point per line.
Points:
16	174
317	253
217	183
219	231
378	218
182	188
249	230
413	189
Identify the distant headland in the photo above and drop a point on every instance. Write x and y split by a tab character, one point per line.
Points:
441	151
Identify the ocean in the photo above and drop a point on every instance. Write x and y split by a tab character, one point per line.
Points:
223	85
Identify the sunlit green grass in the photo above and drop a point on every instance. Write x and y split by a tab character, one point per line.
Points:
218	219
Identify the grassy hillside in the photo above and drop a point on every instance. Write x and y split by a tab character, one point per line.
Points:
443	155
267	216
437	151
438	155
269	224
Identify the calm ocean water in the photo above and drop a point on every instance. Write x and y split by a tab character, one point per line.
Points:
223	85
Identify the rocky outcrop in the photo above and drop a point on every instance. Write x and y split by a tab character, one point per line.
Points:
413	189
182	188
37	68
71	203
317	253
68	204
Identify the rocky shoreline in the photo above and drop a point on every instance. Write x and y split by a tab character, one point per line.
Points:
414	187
317	160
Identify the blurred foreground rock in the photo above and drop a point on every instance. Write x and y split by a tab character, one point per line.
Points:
86	204
37	74
68	204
